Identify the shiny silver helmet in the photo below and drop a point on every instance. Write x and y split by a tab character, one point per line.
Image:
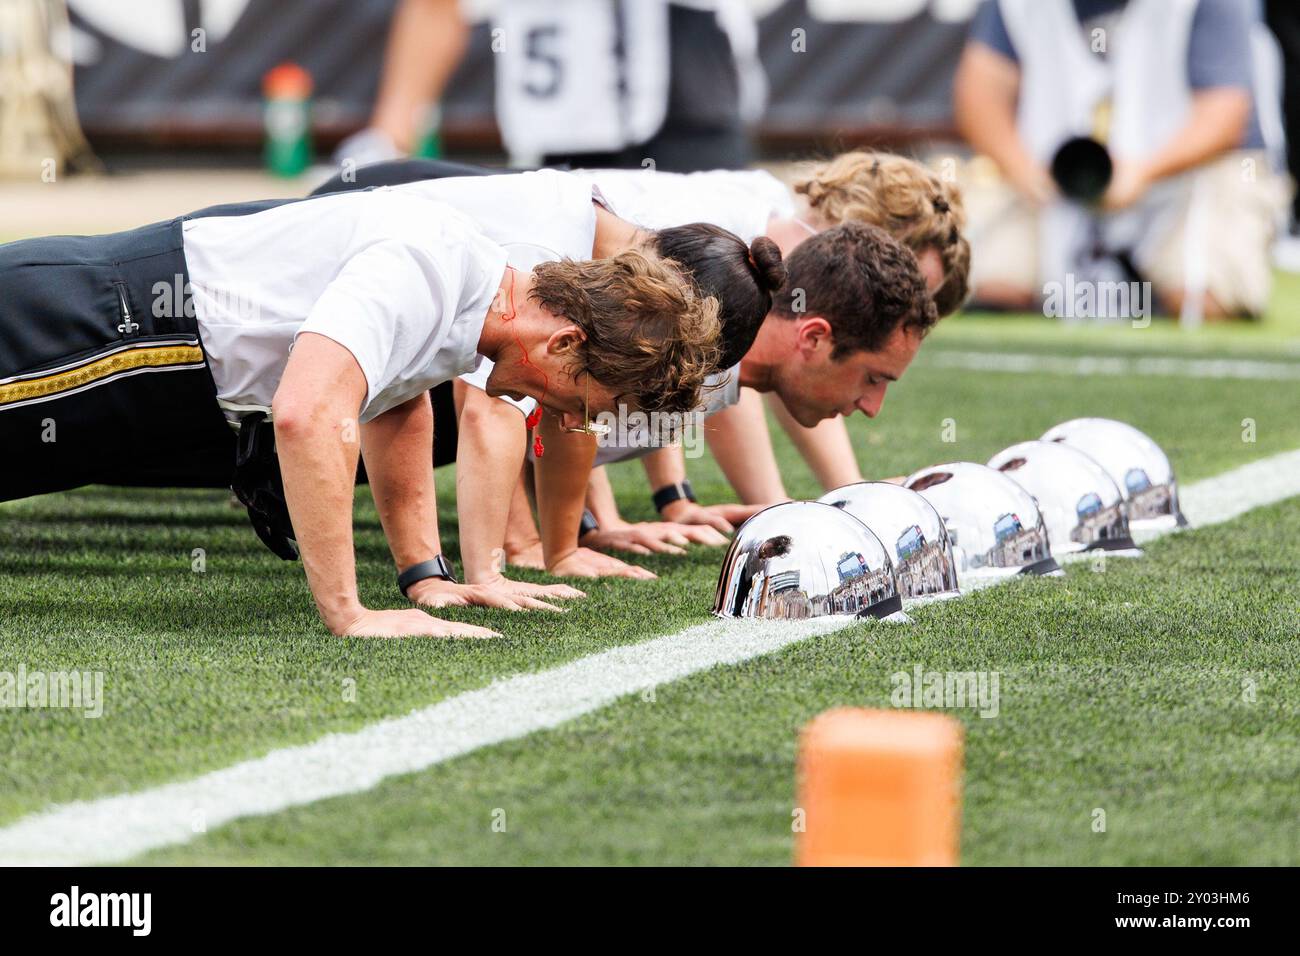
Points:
804	559
909	527
995	526
1134	462
1081	505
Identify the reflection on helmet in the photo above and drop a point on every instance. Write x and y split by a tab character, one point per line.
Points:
908	525
995	526
803	559
1134	462
1082	507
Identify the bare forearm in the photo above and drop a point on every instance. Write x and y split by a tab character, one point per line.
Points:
601	501
561	476
398	451
664	466
489	455
985	96
521	531
1218	124
825	447
740	442
425	45
319	470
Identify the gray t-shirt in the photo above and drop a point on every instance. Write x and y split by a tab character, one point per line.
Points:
1218	54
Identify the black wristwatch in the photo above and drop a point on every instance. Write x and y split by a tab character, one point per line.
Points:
588	524
435	567
674	492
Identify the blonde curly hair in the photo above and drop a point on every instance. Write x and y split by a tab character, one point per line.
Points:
649	334
909	201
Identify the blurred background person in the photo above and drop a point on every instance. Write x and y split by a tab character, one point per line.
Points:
585	83
1169	86
1284	20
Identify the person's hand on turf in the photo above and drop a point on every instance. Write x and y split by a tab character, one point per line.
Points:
737	514
586	563
653	537
684	511
408	623
544	592
435	592
526	554
724	517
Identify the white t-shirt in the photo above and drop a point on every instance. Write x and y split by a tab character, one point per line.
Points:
536	217
402	282
741	201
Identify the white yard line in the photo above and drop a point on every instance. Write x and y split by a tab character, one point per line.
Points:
1081	365
1233	493
111	829
115	828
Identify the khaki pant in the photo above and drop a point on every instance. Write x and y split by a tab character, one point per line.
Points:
1211	230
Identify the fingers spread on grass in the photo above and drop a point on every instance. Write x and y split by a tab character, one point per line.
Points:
523	603
547	592
412	623
704	534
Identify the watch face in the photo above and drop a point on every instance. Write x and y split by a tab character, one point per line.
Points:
435	567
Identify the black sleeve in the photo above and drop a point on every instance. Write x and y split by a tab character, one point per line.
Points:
400	171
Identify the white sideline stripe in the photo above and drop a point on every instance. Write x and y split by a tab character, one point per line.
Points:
114	828
111	829
1080	365
1233	493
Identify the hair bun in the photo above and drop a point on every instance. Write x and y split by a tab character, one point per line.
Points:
765	257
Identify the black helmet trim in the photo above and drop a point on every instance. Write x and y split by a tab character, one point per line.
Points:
1045	566
890	605
1113	544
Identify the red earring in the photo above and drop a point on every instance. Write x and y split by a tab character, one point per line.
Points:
534	417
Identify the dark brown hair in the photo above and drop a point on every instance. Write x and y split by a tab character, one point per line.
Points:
862	281
742	278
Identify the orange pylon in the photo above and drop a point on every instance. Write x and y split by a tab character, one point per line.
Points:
879	788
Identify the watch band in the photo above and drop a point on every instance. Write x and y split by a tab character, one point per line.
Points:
674	492
588	524
435	567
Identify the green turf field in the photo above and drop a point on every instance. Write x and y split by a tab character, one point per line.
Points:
1121	691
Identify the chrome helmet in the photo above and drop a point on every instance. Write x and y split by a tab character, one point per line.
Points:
910	528
1081	505
804	559
995	526
1134	462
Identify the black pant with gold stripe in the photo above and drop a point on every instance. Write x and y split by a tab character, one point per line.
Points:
103	378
